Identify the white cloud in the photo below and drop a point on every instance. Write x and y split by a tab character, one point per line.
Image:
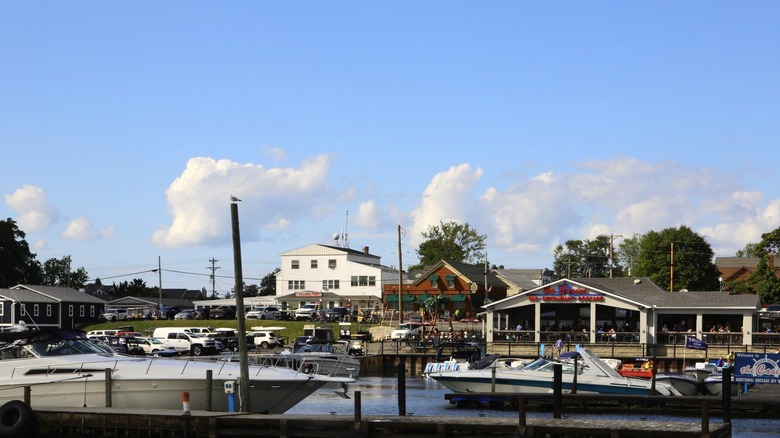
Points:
445	198
35	213
78	229
272	199
367	215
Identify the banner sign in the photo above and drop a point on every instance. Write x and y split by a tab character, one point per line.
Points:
695	343
308	294
756	368
566	293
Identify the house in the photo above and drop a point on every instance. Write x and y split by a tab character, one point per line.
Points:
520	280
332	276
48	307
142	306
734	269
465	288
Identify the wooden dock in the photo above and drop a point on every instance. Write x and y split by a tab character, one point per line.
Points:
126	423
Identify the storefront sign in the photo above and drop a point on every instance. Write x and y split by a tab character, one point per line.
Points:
566	293
756	368
308	294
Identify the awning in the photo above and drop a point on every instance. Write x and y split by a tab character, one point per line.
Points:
423	298
458	297
394	298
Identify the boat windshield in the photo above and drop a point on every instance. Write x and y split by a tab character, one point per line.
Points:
50	344
323	348
546	366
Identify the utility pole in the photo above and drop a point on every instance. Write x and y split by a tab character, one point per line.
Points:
671	268
159	279
612	252
400	281
213	268
243	386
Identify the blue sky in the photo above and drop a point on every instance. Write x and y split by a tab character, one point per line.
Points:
126	126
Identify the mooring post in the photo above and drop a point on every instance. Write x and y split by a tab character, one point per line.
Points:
358	407
574	377
108	389
493	379
557	390
209	395
521	411
402	387
27	395
705	419
726	394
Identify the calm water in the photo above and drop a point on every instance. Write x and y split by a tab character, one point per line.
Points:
426	398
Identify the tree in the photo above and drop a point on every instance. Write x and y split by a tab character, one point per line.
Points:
17	264
135	288
764	280
452	242
57	272
628	252
268	283
251	290
685	251
750	250
583	258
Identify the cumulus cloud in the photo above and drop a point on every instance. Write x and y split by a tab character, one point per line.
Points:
623	196
32	205
367	215
273	198
444	199
81	229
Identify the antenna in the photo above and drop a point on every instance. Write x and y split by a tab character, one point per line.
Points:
346	233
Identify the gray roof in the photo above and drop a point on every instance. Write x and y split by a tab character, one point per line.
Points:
737	262
60	293
25	296
522	278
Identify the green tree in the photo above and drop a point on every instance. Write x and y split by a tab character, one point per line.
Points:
685	251
764	280
452	242
268	284
583	258
135	288
57	272
17	264
750	250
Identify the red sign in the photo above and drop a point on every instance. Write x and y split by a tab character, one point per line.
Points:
308	294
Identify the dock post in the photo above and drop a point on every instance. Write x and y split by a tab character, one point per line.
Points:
402	387
209	395
705	419
521	411
26	396
358	408
726	394
557	390
108	389
493	379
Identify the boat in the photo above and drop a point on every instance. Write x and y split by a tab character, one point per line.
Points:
685	383
642	367
63	368
713	385
593	376
701	370
464	356
317	356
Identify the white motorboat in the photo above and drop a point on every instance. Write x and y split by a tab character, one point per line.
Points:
685	383
713	385
65	369
701	370
593	376
319	357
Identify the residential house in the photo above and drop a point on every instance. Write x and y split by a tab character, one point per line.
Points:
48	307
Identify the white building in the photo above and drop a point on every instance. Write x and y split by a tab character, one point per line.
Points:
332	276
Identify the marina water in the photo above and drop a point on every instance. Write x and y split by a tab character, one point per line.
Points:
424	397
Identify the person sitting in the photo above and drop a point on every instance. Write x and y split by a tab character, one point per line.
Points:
720	362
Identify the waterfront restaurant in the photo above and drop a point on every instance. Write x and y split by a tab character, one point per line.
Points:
623	310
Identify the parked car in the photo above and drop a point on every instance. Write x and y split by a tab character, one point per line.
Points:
335	314
154	346
284	315
166	312
299	342
263	313
114	315
222	312
306	311
185	314
264	339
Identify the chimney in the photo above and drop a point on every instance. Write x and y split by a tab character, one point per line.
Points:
365	250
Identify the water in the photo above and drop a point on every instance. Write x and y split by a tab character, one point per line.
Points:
379	396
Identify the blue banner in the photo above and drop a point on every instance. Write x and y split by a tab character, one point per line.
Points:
695	343
756	368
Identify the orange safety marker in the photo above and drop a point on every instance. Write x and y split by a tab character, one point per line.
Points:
185	400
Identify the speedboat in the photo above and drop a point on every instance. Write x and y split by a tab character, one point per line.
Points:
593	376
685	383
713	385
63	368
319	357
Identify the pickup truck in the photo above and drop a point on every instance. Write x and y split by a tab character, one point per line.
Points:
306	311
195	343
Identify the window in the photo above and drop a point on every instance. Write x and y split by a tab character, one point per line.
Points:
296	284
314	264
48	310
363	280
36	310
23	310
92	311
81	310
2	309
332	263
70	310
330	284
434	279
295	264
450	281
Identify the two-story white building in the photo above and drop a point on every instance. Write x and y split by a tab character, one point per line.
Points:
332	276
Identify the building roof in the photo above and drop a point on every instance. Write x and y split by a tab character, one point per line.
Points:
520	277
25	296
61	293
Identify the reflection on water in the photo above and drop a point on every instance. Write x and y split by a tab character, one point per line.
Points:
379	396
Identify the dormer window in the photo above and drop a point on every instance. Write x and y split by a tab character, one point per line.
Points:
434	279
450	281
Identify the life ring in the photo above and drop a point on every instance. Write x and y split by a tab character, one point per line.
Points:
15	418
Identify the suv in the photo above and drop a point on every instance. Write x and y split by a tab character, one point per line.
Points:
263	313
306	311
264	339
406	331
336	314
114	315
